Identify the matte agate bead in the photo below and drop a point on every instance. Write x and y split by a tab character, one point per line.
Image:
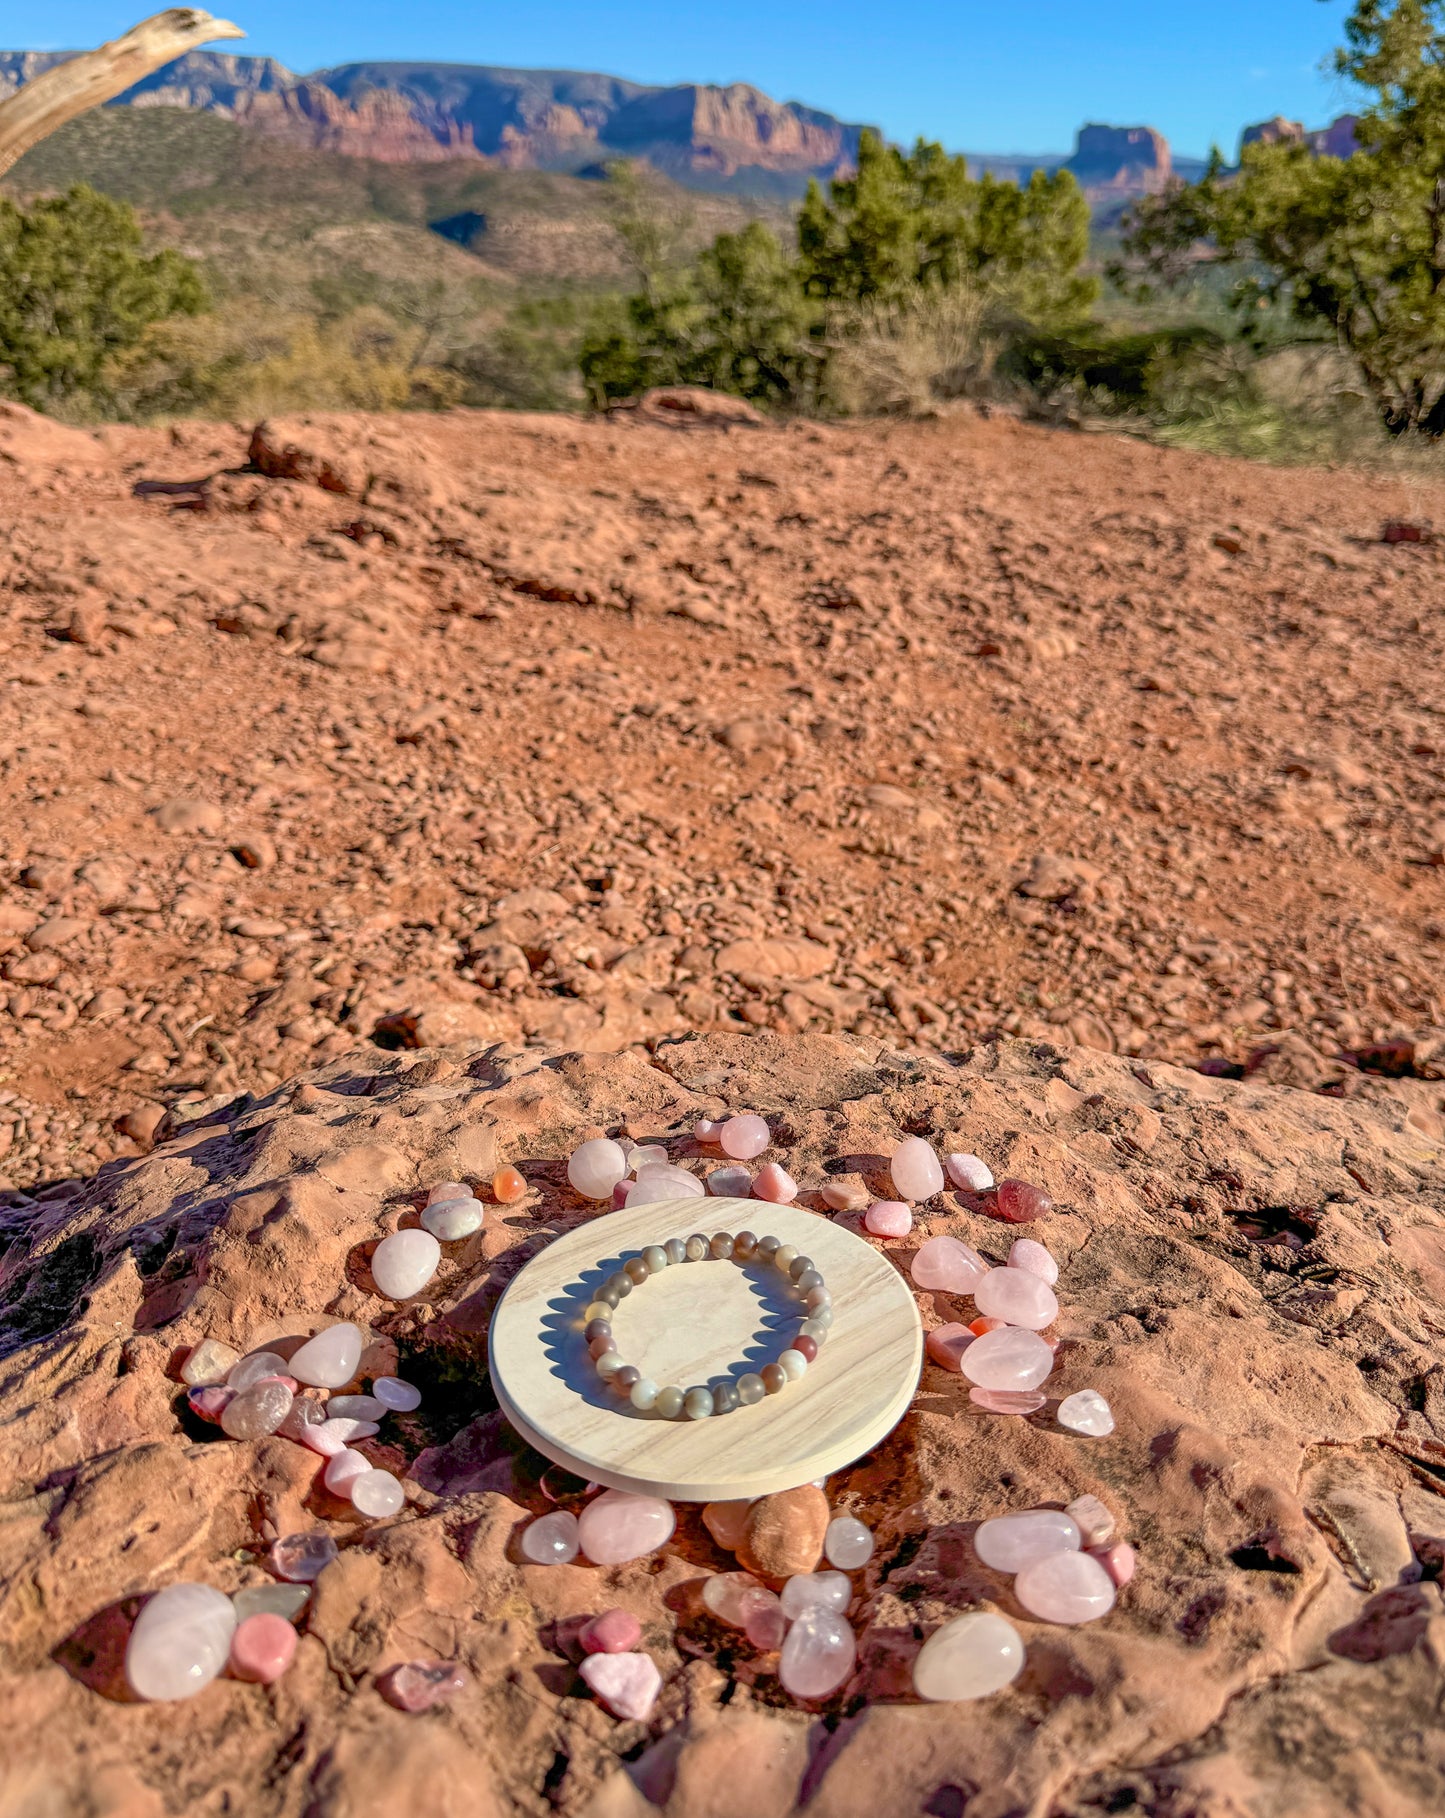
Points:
669	1401
725	1397
720	1246
775	1378
656	1259
768	1248
643	1394
750	1389
744	1246
792	1363
1018	1297
676	1248
697	1247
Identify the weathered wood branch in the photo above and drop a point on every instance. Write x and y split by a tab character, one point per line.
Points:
83	82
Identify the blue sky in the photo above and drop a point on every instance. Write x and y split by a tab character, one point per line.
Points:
977	76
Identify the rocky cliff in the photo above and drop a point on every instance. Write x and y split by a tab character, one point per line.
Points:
1121	160
1337	140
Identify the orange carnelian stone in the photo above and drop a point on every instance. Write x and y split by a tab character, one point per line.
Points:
980	1326
508	1186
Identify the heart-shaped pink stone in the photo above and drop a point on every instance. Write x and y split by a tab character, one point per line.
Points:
946	1264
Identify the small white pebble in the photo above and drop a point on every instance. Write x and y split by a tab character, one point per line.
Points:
968	1172
847	1543
1086	1412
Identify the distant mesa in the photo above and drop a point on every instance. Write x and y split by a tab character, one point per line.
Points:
1123	160
1337	140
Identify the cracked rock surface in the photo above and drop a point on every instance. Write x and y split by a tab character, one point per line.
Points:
1254	1275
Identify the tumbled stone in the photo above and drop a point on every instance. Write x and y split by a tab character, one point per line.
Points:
1008	1543
947	1344
731	1595
948	1265
783	1533
971	1657
655	1186
969	1173
376	1494
180	1642
816	1590
417	1685
262	1647
744	1137
847	1544
627	1684
1095	1521
328	1361
451	1220
1007	1401
400	1397
1017	1297
209	1362
252	1368
1007	1358
594	1168
611	1632
916	1170
302	1558
725	1521
210	1403
1118	1561
774	1183
403	1264
1087	1412
818	1654
446	1190
343	1469
1018	1203
333	1436
708	1130
355	1407
616	1526
645	1155
766	1625
288	1600
306	1413
1065	1587
1032	1256
730	1183
509	1185
845	1195
888	1218
551	1539
256	1411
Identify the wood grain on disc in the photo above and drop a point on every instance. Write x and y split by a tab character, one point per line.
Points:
695	1322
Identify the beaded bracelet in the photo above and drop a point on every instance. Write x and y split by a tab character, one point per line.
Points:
696	1404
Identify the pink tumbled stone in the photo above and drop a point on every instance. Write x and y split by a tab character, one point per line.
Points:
1007	1401
773	1182
210	1403
1008	1358
946	1264
627	1684
1032	1256
262	1648
708	1130
888	1218
620	1194
744	1137
766	1625
947	1344
1118	1561
969	1173
417	1685
341	1468
618	1526
613	1632
448	1190
328	1437
1066	1587
818	1654
1018	1298
1020	1203
916	1170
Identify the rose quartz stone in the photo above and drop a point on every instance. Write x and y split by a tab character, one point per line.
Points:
818	1654
330	1360
256	1411
262	1648
612	1632
1066	1587
617	1526
1008	1358
969	1173
1027	1254
730	1183
947	1344
1008	1543
1017	1297
180	1641
1007	1401
916	1170
888	1218
253	1367
810	1590
1086	1412
627	1684
1118	1561
1018	1203
1096	1522
403	1264
744	1137
731	1596
708	1130
766	1625
417	1685
448	1189
971	1657
946	1264
552	1539
656	1185
594	1168
621	1193
773	1182
342	1468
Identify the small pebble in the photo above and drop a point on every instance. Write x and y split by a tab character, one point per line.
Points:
450	1220
845	1195
948	1265
773	1182
766	1626
647	1155
595	1168
611	1632
1018	1203
847	1543
1086	1412
744	1137
655	1186
1095	1521
333	1436
401	1397
1065	1587
417	1685
180	1642
288	1600
973	1656
969	1173
330	1360
302	1558
355	1407
403	1264
916	1170
1118	1561
979	1326
1007	1401
708	1130
1017	1297
616	1526
508	1186
209	1362
818	1654
730	1183
250	1369
552	1539
262	1648
727	1522
888	1218
730	1596
627	1684
376	1494
257	1411
342	1469
947	1344
1008	1358
1032	1256
210	1402
816	1590
1008	1543
448	1190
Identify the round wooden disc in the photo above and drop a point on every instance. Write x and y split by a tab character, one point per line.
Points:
695	1322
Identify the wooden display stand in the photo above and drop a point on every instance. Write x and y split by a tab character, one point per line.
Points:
694	1322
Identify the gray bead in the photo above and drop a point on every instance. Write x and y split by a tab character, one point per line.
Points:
799	1265
807	1281
697	1403
696	1247
656	1259
750	1388
676	1248
725	1398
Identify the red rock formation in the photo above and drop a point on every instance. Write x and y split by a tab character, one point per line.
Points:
381	124
1121	160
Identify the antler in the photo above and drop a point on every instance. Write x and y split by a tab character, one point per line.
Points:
83	82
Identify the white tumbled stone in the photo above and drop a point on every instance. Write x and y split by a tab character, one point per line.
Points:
970	1657
328	1361
595	1168
400	1397
970	1173
1086	1412
180	1642
376	1493
403	1264
450	1220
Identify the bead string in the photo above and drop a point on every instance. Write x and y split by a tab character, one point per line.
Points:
671	1402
